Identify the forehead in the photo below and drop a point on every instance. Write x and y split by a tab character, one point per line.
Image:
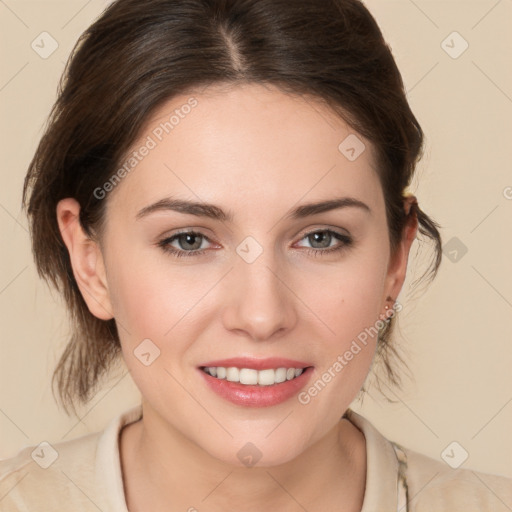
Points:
248	147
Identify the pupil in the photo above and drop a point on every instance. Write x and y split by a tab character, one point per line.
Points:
320	236
190	240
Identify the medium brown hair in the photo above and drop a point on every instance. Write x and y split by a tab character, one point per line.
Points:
138	55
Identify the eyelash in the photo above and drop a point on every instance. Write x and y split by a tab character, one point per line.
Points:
167	248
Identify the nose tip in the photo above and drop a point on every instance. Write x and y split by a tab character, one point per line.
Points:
259	304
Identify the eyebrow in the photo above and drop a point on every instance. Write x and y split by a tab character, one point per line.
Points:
215	212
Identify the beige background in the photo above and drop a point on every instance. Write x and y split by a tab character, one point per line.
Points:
456	332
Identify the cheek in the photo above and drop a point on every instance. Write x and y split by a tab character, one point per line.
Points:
148	295
349	309
138	300
150	308
155	300
346	296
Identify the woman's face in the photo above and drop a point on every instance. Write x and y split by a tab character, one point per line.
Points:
255	281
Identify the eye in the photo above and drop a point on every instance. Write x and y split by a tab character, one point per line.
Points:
322	239
189	244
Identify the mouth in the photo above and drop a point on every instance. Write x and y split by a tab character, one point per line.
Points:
253	377
256	382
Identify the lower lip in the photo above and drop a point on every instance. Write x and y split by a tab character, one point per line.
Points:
254	395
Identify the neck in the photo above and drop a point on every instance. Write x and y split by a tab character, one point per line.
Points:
162	468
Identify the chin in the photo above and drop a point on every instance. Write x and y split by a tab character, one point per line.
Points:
253	454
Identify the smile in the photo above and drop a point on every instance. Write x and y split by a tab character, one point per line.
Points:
251	381
249	376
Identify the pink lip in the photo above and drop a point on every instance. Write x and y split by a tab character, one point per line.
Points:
257	364
254	395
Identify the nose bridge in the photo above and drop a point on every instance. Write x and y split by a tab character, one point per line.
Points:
259	303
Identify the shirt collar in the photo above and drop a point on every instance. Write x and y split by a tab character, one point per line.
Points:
109	477
381	493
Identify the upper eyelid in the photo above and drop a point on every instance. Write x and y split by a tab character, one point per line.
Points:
308	231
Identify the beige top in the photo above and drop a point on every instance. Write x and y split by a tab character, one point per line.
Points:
84	474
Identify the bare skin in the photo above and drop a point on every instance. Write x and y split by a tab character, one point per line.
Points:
257	153
336	484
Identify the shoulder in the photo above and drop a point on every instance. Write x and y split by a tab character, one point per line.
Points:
398	475
82	474
434	485
46	476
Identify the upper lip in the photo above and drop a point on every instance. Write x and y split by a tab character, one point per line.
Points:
257	364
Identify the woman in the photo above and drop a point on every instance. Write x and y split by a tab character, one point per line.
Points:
220	196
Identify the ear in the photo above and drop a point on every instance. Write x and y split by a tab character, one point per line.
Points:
86	260
398	264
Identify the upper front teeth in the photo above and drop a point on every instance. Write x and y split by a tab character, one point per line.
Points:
250	376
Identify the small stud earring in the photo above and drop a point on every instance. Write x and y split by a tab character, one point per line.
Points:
388	298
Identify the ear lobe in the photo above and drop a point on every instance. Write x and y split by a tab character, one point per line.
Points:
86	260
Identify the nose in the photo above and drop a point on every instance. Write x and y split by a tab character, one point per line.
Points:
259	302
